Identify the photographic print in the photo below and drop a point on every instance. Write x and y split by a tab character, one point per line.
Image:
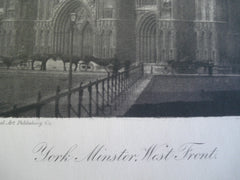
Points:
111	58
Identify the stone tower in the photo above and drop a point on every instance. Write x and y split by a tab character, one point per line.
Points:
181	29
17	32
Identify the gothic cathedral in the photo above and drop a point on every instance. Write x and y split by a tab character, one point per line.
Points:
148	31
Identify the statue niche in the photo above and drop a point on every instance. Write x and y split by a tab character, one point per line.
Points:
166	9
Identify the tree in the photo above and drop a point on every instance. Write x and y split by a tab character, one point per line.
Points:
66	58
43	58
8	61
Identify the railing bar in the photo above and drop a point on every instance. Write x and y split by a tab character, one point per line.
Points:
102	97
45	101
94	101
85	109
74	111
59	114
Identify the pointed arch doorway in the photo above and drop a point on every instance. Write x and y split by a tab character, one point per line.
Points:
83	40
147	38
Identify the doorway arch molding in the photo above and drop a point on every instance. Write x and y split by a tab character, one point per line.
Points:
147	38
61	26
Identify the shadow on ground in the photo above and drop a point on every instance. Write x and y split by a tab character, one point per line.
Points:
208	97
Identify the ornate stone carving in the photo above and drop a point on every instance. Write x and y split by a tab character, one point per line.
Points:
90	3
166	4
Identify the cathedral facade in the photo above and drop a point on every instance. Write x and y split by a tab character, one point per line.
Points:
148	31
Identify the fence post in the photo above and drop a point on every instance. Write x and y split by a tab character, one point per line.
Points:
103	95
69	104
97	98
15	113
38	109
90	98
112	90
122	82
80	95
57	102
108	87
127	79
115	94
119	83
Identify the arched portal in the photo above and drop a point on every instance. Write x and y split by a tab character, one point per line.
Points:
83	30
146	39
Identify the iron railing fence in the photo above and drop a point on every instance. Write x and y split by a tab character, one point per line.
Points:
93	99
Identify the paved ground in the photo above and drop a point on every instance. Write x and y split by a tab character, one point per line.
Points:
172	96
21	87
131	96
